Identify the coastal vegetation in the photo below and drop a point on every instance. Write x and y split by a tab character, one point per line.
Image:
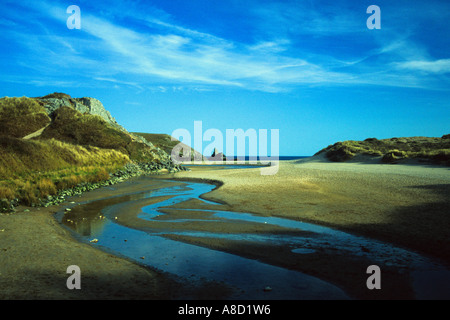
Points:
31	170
165	142
394	150
21	116
56	143
49	147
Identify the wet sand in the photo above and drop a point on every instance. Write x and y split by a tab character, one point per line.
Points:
405	205
35	251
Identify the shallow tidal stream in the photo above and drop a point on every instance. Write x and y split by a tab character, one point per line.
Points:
248	278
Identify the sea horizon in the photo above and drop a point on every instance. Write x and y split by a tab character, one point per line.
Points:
247	158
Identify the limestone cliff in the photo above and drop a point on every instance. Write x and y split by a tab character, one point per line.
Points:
84	105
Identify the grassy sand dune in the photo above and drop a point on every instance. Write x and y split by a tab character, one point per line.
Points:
395	150
21	116
48	146
166	143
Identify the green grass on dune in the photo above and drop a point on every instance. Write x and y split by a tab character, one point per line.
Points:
163	141
30	170
21	116
70	125
19	157
435	150
74	148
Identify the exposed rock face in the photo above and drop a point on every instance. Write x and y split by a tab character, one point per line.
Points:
52	104
133	144
83	105
94	106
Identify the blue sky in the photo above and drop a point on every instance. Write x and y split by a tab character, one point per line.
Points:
311	69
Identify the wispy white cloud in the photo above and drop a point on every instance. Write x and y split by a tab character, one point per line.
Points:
183	59
437	66
117	82
107	50
270	47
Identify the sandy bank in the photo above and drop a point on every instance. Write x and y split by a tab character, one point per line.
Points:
406	205
35	251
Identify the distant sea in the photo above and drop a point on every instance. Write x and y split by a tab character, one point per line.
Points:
292	157
280	158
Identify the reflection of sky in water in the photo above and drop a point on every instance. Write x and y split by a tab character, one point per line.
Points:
196	263
189	260
88	227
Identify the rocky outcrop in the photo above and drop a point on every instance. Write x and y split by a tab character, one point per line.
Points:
93	106
83	129
69	127
217	156
84	105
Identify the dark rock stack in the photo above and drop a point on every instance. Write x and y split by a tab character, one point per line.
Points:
217	156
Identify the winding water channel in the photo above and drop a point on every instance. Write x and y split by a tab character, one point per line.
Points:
157	246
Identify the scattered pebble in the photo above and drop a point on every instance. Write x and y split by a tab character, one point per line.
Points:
94	240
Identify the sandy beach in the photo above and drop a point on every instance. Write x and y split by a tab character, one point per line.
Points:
35	251
406	205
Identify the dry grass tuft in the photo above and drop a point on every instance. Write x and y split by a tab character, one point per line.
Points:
6	192
21	116
46	187
73	149
393	150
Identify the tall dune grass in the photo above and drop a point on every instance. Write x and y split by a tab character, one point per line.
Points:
31	170
21	116
434	149
74	148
